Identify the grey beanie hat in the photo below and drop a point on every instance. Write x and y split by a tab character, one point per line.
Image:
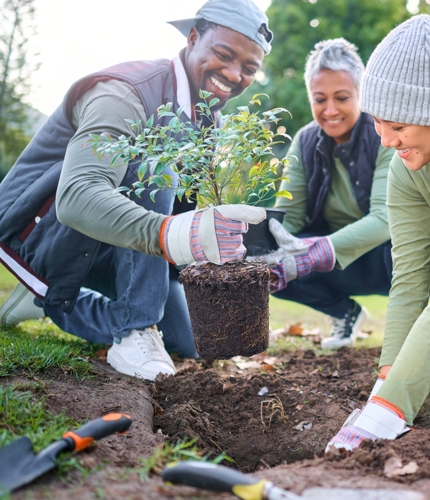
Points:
396	82
239	15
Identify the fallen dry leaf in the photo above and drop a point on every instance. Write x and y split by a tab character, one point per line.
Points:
295	329
393	467
299	407
313	332
248	364
267	368
101	354
362	335
278	331
303	425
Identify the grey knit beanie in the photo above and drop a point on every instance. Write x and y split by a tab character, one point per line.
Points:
396	82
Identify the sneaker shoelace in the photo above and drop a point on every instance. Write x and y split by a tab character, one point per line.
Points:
343	327
339	327
150	347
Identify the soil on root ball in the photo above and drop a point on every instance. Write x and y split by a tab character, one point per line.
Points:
229	308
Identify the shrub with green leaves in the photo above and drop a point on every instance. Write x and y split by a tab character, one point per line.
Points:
216	165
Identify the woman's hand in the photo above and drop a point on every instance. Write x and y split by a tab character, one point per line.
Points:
384	370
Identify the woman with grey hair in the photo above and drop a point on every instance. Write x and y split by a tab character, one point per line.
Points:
337	172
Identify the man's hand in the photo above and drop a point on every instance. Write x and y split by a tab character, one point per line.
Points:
213	234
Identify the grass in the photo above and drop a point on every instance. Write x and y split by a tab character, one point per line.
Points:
40	349
37	346
283	312
169	453
23	413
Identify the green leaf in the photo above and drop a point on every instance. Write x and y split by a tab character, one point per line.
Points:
121	189
152	194
150	121
284	194
204	94
213	101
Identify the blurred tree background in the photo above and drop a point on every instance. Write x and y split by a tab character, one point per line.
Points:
297	26
17	28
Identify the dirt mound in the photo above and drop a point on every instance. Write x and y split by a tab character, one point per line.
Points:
266	418
106	392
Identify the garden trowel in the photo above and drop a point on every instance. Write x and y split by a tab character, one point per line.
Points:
219	478
19	465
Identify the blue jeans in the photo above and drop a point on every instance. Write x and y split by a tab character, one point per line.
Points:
330	292
126	289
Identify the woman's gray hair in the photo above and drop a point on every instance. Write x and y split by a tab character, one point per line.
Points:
336	54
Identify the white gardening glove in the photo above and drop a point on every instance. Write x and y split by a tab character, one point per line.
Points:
213	234
377	386
296	257
378	420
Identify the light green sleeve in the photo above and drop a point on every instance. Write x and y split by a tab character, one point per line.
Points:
85	198
295	218
365	234
409	215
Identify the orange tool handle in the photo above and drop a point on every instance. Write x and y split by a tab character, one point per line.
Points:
97	429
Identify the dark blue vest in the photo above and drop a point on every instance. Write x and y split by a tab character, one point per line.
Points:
358	156
30	232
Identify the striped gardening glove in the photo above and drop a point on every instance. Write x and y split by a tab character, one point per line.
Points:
378	420
213	234
296	257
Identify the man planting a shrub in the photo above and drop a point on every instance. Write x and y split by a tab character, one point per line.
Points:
96	261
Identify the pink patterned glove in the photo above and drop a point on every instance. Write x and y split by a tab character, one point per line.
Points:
297	256
278	278
319	257
213	234
228	234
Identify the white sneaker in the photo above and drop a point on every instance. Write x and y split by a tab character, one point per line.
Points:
19	307
141	354
346	329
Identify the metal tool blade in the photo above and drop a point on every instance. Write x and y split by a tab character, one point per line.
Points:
19	465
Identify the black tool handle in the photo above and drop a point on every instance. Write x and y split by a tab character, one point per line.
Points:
97	429
206	476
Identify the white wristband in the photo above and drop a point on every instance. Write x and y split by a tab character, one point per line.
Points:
178	238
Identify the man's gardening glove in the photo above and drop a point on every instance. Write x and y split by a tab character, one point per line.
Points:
296	257
378	420
213	234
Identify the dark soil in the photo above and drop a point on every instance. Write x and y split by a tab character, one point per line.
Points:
306	401
225	324
279	435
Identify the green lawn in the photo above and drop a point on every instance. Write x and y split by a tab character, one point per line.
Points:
284	313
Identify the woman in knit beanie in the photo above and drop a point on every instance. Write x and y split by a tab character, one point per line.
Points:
395	90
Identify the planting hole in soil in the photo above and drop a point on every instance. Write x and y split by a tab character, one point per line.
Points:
229	308
267	414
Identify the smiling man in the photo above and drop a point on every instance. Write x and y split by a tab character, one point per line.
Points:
93	260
